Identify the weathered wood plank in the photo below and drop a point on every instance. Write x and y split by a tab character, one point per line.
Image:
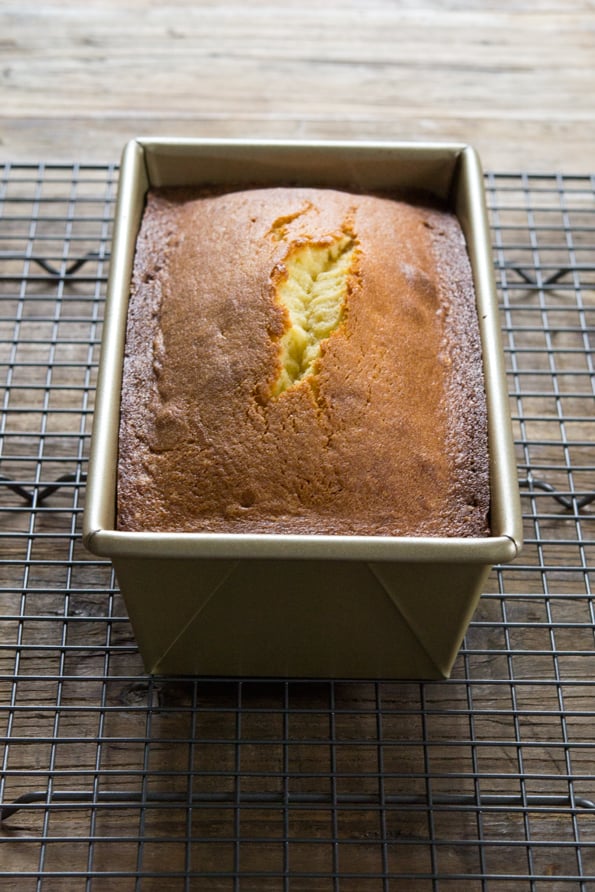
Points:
517	81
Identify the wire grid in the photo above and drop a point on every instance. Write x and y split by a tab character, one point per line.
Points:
110	779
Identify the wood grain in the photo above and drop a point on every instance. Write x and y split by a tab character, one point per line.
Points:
515	79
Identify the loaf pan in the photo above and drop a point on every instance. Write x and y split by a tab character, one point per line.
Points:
305	605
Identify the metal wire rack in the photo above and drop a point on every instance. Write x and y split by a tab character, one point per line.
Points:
110	779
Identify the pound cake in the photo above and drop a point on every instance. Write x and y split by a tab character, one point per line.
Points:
302	361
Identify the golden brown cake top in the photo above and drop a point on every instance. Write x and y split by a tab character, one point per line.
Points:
302	361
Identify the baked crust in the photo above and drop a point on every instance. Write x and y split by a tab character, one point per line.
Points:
385	433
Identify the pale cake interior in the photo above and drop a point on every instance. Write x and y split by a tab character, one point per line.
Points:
312	288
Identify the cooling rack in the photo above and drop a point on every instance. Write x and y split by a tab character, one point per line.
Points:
112	780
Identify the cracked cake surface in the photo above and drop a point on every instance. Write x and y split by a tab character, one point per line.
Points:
302	361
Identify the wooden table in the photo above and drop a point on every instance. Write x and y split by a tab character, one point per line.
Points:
515	79
481	784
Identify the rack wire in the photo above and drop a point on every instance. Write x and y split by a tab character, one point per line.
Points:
110	779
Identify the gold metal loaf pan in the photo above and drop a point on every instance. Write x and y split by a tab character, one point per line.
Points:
300	606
